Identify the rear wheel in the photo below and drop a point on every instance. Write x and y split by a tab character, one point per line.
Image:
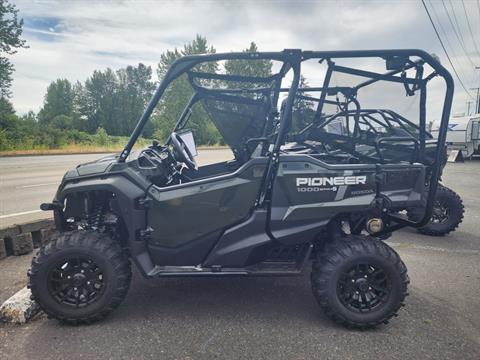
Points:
80	277
360	282
447	213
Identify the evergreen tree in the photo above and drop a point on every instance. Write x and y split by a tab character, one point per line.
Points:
303	109
58	101
6	107
135	88
112	100
257	68
97	101
179	93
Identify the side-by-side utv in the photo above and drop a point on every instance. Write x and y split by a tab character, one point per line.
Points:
273	207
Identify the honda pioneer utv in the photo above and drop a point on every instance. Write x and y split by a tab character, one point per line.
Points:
274	206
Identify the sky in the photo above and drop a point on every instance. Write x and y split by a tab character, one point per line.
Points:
70	39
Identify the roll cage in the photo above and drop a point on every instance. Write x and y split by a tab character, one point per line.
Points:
272	128
375	128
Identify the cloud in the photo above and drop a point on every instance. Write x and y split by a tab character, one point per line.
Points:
69	39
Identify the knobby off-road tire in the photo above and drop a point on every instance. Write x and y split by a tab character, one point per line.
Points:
80	277
359	282
448	211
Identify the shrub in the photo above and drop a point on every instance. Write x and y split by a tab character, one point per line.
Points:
5	143
62	122
102	137
80	137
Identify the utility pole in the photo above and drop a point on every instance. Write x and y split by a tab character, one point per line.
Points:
469	102
477	106
477	102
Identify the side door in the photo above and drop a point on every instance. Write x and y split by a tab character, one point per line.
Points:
188	219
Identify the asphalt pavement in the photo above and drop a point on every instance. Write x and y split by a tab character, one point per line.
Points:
27	181
278	318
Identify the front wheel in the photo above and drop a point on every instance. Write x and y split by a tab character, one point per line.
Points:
80	277
360	282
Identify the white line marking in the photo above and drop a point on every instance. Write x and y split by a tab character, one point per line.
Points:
20	213
434	248
30	186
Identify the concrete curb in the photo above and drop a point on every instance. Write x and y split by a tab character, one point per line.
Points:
20	308
23	238
18	240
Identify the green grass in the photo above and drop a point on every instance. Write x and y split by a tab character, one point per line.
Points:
86	149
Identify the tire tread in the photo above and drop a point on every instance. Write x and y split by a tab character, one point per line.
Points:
460	210
339	250
101	243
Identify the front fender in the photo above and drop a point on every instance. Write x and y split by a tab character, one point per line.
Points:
126	194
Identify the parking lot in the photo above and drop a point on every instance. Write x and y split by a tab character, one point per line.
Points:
278	318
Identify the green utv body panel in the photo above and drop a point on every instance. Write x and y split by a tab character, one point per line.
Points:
186	215
95	167
298	212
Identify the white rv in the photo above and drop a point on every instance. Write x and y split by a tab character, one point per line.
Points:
463	134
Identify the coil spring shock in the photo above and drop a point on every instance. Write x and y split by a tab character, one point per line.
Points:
95	219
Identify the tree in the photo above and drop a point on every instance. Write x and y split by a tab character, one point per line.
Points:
302	110
180	91
58	100
97	100
114	100
14	131
166	60
135	88
10	32
8	124
257	68
6	107
108	101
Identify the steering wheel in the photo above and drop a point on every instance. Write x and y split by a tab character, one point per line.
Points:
182	151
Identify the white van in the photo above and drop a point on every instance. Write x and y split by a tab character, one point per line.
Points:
463	134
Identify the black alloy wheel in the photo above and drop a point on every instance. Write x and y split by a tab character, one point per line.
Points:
77	282
363	287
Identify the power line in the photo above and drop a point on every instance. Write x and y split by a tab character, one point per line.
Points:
470	28
460	60
456	22
444	49
446	37
459	38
